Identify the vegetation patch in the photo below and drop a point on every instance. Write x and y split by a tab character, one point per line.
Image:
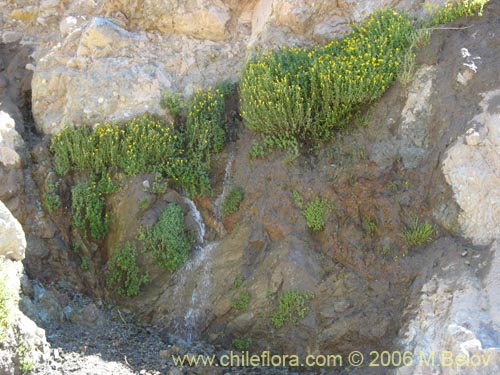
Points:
300	96
292	306
167	241
232	202
453	10
419	233
8	302
315	213
242	343
51	199
242	302
124	274
147	144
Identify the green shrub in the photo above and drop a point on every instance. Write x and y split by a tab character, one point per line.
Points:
242	302
257	151
298	200
8	301
232	201
292	306
419	233
315	212
85	263
167	241
51	199
123	272
297	96
89	204
238	281
173	102
453	10
369	226
242	343
26	360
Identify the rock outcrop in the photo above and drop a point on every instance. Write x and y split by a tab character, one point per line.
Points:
454	325
112	59
23	343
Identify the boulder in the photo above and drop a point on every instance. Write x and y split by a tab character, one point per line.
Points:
12	238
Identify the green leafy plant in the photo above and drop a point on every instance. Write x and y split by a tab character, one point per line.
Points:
144	203
257	151
242	343
51	199
292	306
8	301
241	302
167	241
26	361
369	226
124	274
85	263
238	281
301	96
173	102
453	10
298	199
315	213
232	201
88	205
419	233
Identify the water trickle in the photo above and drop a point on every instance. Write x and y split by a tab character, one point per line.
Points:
197	218
194	280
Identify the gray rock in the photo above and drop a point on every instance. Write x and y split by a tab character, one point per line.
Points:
12	238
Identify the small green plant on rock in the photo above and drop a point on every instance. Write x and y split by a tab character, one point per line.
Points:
419	233
173	102
453	10
257	151
167	241
26	361
369	226
51	199
242	302
298	199
124	274
8	302
292	306
85	263
232	202
242	343
315	212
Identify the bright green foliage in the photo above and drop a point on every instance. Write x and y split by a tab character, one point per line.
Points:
296	96
257	151
242	343
85	264
173	102
167	241
89	204
419	233
51	199
232	202
298	199
204	135
242	302
123	272
369	226
453	10
292	306
26	361
315	212
8	302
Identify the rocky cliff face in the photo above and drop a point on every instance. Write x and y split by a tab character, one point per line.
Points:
110	60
